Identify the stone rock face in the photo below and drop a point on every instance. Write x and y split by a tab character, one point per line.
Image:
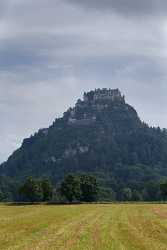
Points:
78	149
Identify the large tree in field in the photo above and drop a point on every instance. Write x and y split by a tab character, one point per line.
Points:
31	190
89	188
70	188
80	188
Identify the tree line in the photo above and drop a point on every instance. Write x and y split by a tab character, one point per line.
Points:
82	188
74	188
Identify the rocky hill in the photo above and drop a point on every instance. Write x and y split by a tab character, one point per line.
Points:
102	135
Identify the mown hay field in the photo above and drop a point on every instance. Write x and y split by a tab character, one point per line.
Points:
84	227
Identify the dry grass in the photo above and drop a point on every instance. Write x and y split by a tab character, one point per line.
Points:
84	227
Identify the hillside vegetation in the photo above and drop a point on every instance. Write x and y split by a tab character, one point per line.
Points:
102	136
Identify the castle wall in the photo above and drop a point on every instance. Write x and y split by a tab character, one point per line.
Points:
81	122
104	94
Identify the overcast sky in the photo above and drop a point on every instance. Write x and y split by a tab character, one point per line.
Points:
53	50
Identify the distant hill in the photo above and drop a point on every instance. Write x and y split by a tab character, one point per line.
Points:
101	135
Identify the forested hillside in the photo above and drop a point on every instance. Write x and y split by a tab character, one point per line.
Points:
103	136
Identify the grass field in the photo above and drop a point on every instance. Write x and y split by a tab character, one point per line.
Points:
84	227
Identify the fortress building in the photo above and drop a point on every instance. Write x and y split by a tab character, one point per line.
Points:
104	94
84	112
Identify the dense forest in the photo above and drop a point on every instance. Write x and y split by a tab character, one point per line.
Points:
101	136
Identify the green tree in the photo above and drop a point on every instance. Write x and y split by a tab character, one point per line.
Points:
31	190
47	189
152	190
136	195
2	196
89	188
163	189
126	194
70	188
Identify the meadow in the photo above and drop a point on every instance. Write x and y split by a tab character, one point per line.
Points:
84	227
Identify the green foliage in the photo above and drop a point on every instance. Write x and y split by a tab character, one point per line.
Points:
152	191
31	190
47	189
89	188
163	188
2	196
117	148
34	190
126	194
70	188
137	196
80	188
106	194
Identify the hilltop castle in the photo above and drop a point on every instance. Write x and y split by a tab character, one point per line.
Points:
93	101
104	94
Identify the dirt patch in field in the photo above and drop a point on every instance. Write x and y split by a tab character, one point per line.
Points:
160	212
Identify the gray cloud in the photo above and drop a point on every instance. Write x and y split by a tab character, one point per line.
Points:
126	7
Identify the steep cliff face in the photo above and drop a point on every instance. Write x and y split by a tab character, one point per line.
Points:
103	135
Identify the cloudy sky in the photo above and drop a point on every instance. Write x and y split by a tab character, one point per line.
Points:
53	50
